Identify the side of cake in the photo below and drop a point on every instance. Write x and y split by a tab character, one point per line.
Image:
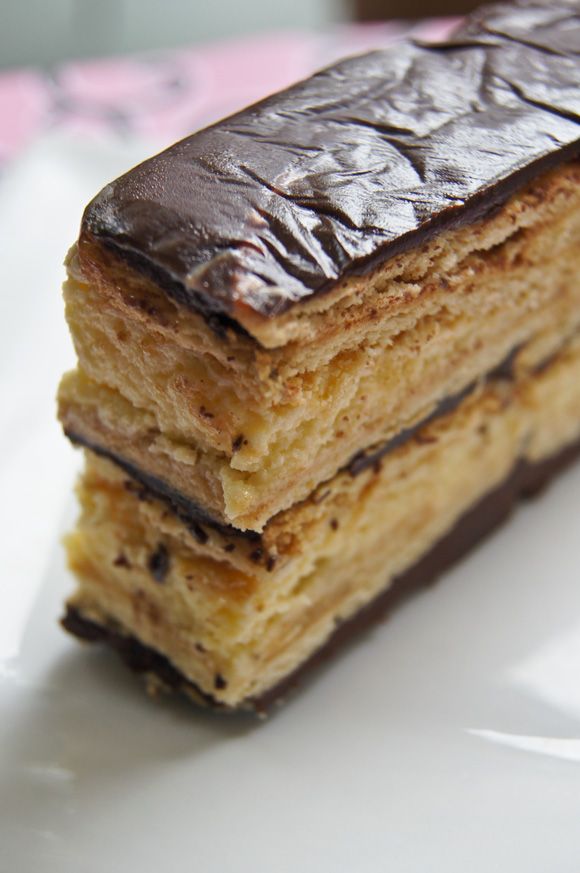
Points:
314	339
281	420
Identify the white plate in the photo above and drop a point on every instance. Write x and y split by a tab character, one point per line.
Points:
447	739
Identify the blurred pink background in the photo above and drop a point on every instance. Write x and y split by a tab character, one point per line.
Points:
165	96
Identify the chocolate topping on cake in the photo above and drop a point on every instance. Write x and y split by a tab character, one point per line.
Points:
358	163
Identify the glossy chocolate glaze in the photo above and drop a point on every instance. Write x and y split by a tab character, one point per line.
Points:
358	163
488	513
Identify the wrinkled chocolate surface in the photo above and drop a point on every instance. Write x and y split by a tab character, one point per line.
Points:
363	160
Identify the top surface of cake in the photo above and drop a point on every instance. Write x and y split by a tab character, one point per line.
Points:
277	203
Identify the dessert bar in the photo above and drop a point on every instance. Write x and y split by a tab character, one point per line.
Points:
323	346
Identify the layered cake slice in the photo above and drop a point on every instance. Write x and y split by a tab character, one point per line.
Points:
323	346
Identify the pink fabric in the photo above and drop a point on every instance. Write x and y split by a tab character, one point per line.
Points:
167	95
24	107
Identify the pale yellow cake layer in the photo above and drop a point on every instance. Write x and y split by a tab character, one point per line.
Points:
249	431
104	418
223	609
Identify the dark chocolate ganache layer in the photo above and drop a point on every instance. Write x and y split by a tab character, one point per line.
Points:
358	163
